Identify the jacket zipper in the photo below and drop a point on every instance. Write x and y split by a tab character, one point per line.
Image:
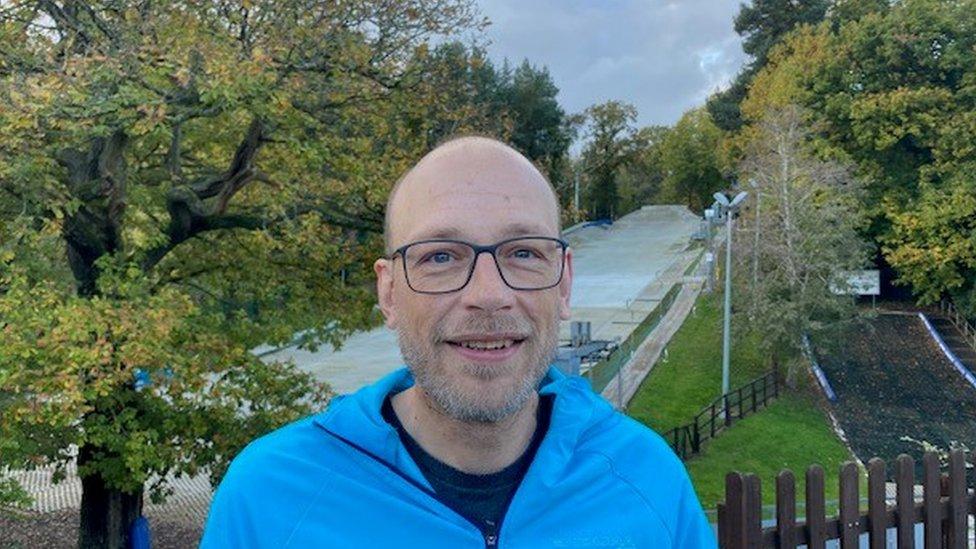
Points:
491	538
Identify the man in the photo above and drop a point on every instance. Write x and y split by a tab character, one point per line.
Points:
478	442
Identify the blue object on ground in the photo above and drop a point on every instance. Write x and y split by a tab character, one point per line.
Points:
139	534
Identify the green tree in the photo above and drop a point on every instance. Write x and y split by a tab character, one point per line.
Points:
610	130
468	94
540	128
473	95
890	87
690	160
762	24
895	92
179	182
933	241
843	11
798	237
642	179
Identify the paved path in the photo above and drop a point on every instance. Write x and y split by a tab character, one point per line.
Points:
625	384
188	504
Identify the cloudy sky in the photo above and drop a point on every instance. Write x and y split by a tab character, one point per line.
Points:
662	56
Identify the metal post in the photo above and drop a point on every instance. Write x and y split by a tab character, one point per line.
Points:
576	194
728	302
755	250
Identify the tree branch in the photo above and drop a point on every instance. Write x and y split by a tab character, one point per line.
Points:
199	222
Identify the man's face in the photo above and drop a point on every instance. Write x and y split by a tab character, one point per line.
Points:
482	193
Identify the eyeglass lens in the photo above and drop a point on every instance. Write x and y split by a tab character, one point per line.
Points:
444	266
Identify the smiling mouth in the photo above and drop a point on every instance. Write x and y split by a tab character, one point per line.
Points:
487	349
486	345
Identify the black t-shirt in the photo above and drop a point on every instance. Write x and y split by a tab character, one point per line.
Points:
482	499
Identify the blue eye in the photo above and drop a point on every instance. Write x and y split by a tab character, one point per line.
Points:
437	257
525	253
440	257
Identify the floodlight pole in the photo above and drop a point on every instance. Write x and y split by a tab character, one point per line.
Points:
728	302
729	207
576	194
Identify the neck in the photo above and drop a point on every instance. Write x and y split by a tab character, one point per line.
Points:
472	447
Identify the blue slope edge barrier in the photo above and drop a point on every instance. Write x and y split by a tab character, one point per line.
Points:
817	371
139	534
583	224
948	352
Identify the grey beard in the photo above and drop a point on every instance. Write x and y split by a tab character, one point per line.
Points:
477	408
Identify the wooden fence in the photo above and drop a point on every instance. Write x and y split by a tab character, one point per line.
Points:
686	440
944	509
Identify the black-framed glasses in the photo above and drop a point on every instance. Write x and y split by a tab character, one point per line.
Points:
442	266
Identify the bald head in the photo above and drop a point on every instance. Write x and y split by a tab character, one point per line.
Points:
470	187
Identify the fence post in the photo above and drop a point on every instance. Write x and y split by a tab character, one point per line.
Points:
905	512
753	526
695	438
931	499
815	508
785	510
946	511
877	508
850	523
752	387
958	524
713	419
739	398
735	512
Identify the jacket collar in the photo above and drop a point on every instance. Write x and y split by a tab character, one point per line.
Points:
357	419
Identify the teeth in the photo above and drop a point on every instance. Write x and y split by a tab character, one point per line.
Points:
487	345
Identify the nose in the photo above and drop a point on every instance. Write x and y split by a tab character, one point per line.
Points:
486	290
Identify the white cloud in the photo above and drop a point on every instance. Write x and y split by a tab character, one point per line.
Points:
664	57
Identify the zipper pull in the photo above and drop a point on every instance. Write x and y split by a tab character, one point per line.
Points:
491	540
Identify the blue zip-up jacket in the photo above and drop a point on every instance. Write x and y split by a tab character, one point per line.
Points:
342	478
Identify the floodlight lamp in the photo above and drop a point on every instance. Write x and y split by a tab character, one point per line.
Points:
738	199
721	199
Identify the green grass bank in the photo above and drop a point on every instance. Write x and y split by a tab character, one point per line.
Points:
792	433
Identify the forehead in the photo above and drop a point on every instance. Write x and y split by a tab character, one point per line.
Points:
481	194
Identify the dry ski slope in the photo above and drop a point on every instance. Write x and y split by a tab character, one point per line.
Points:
896	389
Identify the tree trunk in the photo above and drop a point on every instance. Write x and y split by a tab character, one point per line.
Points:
107	514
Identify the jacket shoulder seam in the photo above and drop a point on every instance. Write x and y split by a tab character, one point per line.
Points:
308	507
638	491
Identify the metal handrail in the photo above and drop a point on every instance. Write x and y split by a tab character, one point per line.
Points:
686	440
948	310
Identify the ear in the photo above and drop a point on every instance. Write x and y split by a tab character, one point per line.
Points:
566	286
384	290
